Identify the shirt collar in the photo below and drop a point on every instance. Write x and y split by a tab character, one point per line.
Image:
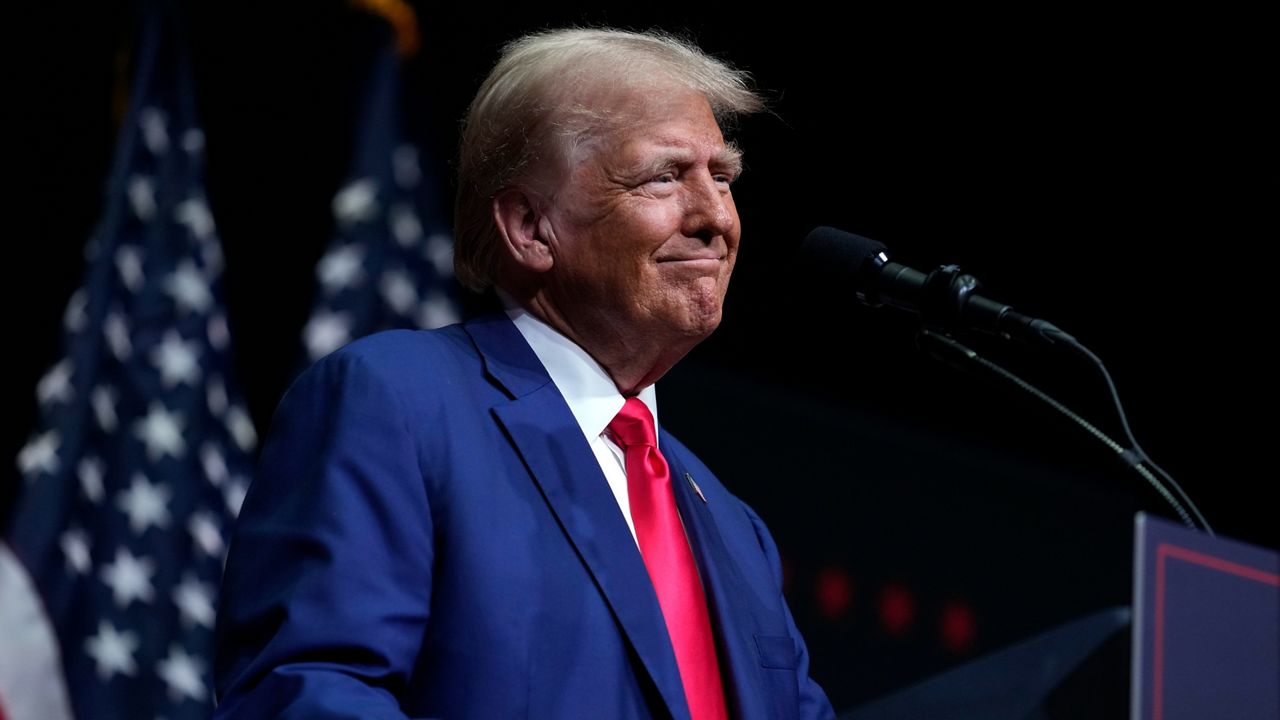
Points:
588	390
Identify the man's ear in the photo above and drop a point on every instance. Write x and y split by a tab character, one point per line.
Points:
519	221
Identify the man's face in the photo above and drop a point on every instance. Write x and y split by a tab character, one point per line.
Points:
642	225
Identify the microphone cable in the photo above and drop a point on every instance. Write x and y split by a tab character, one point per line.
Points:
1133	457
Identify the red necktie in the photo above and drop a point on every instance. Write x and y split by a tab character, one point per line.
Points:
667	556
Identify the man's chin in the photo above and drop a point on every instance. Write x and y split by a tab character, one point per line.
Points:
701	322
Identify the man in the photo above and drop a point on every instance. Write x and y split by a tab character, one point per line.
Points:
482	521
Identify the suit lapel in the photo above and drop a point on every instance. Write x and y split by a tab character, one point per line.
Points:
728	594
548	439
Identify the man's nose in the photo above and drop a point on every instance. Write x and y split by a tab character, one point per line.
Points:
709	210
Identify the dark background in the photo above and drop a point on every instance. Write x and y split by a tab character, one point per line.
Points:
1104	170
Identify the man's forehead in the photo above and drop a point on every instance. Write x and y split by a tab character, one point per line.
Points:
622	104
685	126
636	126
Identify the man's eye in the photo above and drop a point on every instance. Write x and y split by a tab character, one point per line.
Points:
664	178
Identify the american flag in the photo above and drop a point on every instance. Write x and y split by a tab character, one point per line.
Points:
143	454
390	264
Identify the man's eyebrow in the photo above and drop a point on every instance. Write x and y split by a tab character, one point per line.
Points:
728	159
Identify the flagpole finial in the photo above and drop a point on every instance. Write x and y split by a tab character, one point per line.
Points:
403	20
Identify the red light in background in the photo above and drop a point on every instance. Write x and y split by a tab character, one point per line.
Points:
897	609
834	593
958	626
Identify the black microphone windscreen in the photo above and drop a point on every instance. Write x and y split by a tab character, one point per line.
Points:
837	251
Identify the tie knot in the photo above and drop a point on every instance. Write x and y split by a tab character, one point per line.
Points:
633	425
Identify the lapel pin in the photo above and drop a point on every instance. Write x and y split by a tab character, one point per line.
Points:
695	487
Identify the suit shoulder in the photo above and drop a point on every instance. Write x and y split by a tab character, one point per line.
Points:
399	361
395	348
401	352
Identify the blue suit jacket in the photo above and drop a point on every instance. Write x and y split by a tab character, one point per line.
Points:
429	534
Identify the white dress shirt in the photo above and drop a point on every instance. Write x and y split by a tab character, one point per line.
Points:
590	393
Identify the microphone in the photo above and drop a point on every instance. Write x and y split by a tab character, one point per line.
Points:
946	299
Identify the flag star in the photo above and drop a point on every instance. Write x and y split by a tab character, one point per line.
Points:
194	213
145	504
129	265
142	197
241	427
234	494
90	472
177	360
195	601
113	651
356	201
215	467
326	332
181	672
405	226
404	165
216	395
117	334
40	455
341	267
75	545
76	317
205	533
398	291
103	399
129	578
161	430
437	311
189	289
439	252
193	140
155	134
216	330
55	386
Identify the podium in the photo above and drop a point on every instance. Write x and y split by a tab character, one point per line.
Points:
1203	642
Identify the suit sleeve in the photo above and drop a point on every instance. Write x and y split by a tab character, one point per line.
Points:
327	588
813	701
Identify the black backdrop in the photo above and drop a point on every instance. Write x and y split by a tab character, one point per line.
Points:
1104	170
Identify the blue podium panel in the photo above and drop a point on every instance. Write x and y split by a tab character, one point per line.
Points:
1206	628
